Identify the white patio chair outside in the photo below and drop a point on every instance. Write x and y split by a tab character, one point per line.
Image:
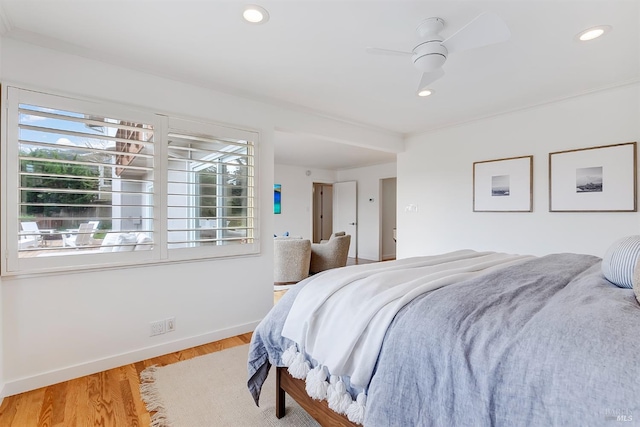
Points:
30	236
83	237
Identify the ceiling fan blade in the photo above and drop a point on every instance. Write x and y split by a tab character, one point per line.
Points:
379	51
428	78
487	28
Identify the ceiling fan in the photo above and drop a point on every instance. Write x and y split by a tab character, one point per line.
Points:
431	52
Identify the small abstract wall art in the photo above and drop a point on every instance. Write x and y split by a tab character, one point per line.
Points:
277	198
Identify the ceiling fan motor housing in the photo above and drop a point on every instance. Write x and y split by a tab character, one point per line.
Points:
430	54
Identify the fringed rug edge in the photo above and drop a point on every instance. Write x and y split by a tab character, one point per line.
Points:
151	397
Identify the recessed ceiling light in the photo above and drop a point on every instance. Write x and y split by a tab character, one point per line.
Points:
593	33
425	92
255	14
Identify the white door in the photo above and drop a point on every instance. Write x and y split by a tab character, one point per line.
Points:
345	212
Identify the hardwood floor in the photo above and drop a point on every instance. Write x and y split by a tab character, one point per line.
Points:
108	398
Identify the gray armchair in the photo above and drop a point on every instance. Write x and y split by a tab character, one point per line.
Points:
329	254
291	259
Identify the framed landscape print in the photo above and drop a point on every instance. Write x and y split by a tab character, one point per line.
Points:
595	179
503	185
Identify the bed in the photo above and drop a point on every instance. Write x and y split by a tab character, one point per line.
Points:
473	338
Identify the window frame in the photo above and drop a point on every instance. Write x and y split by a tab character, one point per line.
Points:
13	265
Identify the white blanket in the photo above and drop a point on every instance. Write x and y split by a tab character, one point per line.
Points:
340	317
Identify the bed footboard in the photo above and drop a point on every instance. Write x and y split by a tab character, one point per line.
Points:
318	409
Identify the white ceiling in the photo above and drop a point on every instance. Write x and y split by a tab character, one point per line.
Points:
317	153
311	54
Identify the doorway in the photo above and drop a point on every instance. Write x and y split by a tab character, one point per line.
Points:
322	211
335	207
388	218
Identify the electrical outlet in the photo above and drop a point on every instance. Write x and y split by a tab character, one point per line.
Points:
170	324
157	328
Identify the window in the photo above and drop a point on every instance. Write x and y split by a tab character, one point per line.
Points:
94	181
210	189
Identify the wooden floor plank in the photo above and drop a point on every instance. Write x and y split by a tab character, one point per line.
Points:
8	410
133	381
28	408
46	410
75	403
129	405
59	392
53	405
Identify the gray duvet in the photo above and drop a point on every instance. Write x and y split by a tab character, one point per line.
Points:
548	342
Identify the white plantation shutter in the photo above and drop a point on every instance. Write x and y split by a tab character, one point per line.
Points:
97	172
77	173
210	188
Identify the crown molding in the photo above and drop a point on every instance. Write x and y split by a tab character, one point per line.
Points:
5	23
630	82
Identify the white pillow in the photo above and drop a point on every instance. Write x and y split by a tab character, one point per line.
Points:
143	242
127	241
620	260
109	240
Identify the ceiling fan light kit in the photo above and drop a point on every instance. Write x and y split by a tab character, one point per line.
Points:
432	51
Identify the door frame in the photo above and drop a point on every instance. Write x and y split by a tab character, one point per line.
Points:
325	211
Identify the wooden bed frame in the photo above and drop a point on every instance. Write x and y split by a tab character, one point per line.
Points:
318	409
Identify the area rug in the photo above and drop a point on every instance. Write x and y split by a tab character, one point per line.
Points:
211	391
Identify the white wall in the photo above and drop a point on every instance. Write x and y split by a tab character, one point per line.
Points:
57	327
2	375
2	391
297	198
368	187
435	174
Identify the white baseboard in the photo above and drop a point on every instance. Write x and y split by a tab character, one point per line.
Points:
2	393
65	374
368	257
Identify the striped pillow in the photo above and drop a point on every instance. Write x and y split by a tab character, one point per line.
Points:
636	282
620	260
